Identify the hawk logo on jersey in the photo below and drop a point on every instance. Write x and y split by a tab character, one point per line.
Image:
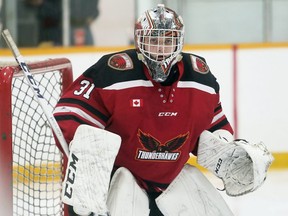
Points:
155	150
199	65
120	61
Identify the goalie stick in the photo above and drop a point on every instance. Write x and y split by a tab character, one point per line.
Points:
35	87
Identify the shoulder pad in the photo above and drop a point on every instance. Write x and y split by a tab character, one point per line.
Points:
120	61
199	65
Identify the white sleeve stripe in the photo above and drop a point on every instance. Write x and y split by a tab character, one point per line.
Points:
191	84
67	109
217	117
129	84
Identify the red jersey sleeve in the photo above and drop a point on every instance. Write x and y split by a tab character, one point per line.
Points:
80	104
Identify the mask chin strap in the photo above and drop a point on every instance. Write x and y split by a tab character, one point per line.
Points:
140	57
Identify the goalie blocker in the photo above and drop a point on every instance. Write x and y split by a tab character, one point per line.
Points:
241	166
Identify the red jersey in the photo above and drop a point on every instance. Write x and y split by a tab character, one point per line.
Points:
159	123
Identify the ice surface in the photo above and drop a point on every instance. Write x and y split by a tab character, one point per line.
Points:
270	199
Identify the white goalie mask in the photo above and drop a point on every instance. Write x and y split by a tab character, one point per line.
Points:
159	38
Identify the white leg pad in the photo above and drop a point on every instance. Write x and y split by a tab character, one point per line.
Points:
192	194
125	197
90	162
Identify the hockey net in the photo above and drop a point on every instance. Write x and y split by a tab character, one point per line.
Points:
31	164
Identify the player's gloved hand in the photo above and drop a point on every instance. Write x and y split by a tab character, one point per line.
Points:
241	165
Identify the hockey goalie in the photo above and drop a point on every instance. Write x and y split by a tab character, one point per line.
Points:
134	117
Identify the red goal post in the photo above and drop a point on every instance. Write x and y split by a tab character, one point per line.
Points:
31	166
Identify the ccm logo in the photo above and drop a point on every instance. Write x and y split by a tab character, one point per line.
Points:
218	165
167	114
31	79
70	178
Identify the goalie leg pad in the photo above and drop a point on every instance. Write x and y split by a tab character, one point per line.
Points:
126	198
90	162
191	193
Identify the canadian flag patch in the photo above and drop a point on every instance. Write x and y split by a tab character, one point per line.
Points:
136	103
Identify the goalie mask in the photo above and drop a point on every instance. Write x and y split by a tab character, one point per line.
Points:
159	36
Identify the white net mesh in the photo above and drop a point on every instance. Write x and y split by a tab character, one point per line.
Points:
36	159
37	162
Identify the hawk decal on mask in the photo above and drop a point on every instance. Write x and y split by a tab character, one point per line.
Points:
120	61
